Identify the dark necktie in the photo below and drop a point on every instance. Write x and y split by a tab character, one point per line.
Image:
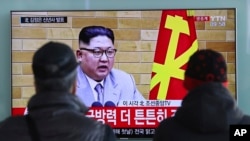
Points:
99	91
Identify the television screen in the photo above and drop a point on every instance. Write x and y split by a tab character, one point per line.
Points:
152	45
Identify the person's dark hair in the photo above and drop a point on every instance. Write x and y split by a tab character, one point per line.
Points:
54	67
89	32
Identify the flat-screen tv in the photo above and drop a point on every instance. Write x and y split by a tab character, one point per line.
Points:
149	46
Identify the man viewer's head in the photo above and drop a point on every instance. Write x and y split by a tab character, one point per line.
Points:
54	67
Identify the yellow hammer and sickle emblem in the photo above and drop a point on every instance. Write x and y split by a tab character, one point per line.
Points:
171	66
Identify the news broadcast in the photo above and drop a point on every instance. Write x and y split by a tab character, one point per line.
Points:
152	45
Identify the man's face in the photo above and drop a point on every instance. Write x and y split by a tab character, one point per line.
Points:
96	68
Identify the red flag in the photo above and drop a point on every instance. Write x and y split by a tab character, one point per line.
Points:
176	42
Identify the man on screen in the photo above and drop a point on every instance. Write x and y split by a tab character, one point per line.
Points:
97	80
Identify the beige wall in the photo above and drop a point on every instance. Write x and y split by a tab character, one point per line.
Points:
136	34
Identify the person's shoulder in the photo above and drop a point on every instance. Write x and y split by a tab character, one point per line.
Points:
97	129
117	73
163	129
245	120
105	132
10	121
109	135
87	121
82	126
170	125
165	122
82	122
13	119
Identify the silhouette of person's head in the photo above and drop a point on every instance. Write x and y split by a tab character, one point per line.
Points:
205	66
54	67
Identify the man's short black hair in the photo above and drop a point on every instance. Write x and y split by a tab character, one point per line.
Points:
53	60
89	32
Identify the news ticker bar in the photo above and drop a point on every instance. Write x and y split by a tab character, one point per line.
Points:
240	132
133	117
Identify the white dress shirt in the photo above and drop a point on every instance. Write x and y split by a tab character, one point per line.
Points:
92	84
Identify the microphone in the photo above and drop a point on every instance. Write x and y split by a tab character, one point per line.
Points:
96	104
109	104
